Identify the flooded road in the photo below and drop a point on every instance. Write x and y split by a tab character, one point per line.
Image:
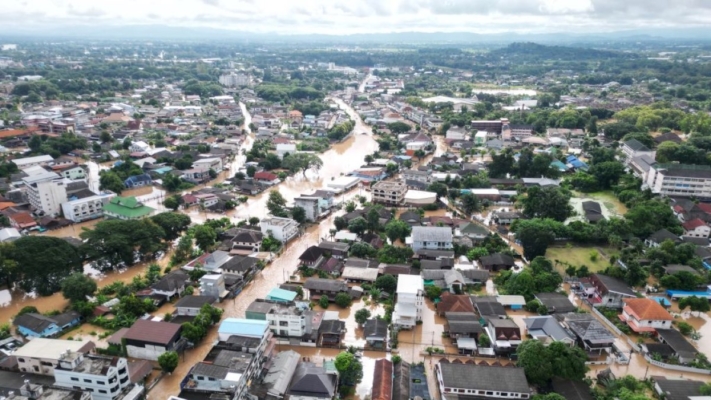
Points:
340	159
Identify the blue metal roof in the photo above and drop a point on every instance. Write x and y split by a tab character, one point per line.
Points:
281	295
243	327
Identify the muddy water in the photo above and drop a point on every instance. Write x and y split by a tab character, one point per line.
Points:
342	158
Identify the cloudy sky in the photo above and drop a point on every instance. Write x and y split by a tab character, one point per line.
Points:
364	16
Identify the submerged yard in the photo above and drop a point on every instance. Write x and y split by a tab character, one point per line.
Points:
578	256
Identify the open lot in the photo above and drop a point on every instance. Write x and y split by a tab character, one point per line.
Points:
578	256
607	199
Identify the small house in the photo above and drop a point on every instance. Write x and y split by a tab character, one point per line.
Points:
375	331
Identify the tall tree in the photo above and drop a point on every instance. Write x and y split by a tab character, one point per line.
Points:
547	202
397	229
77	287
205	237
349	368
44	263
276	204
172	223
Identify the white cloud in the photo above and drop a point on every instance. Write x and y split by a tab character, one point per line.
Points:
365	16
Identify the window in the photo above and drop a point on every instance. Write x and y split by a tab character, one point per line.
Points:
21	359
102	391
75	379
211	379
87	380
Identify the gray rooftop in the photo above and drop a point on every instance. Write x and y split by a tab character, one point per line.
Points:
479	377
431	234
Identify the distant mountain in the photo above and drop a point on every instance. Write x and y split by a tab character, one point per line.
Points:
164	32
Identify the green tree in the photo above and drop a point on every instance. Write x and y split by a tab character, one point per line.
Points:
533	358
607	173
77	287
549	396
535	236
172	223
470	204
168	361
105	137
276	204
44	262
116	243
397	229
373	219
484	340
502	164
547	202
398	127
432	292
340	223
251	170
350	370
205	237
27	310
193	332
298	214
342	300
323	302
439	188
387	283
647	217
358	225
109	180
362	250
172	202
350	206
362	315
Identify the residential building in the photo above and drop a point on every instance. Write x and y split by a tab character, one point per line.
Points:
382	380
430	238
336	249
280	295
275	383
137	181
126	208
214	163
211	262
657	238
610	291
417	176
555	303
310	206
38	325
547	330
410	300
9	235
462	325
282	229
634	148
79	209
645	315
104	377
41	356
207	200
242	327
266	177
318	287
287	320
42	160
590	333
196	175
171	284
678	389
312	382
497	262
375	331
47	196
684	351
481	382
283	149
190	305
234	79
450	302
330	333
246	241
592	211
148	339
696	228
389	192
505	334
213	285
680	180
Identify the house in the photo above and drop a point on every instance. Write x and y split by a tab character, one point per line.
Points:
210	262
311	382
454	303
247	328
41	356
104	377
283	149
137	181
318	287
382	380
196	175
9	235
497	262
312	256
336	249
279	295
276	381
282	229
555	303
683	350
547	330
480	381
590	333
488	306
475	232
514	302
171	284
645	315
430	238
572	390
389	192
310	205
505	335
191	305
213	285
148	339
21	220
411	217
330	333
239	267
213	163
375	331
667	137
359	275
610	291
246	241
678	389
463	325
126	208
592	211
658	237
410	299
266	177
672	269
634	148
696	228
38	325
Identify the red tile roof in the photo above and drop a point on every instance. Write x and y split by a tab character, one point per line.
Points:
382	380
267	176
454	303
646	309
23	219
693	224
152	331
705	207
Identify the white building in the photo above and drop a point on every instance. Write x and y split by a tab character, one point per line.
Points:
139	147
32	161
234	79
680	180
311	205
104	377
430	238
283	148
286	321
42	356
48	196
410	300
214	163
84	209
283	229
389	192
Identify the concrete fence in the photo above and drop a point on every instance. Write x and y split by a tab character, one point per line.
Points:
607	322
676	367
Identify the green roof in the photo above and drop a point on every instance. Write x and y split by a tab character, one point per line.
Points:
128	207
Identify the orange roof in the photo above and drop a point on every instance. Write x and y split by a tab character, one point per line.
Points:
6	204
646	309
16	132
693	224
23	219
454	303
382	380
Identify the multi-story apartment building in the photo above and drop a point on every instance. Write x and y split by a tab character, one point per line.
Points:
490	126
634	148
80	209
286	320
410	300
680	180
389	192
235	79
283	229
104	377
47	196
42	356
310	206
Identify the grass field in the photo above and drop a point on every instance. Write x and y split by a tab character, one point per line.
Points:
578	256
608	199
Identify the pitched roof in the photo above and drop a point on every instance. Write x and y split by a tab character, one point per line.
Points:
375	327
326	284
662	235
382	380
152	331
679	389
678	342
591	330
556	302
547	325
636	145
34	322
454	303
646	309
572	390
615	285
248	236
479	377
333	326
311	254
693	224
401	381
172	281
675	268
497	259
464	327
312	381
194	301
431	234
127	206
